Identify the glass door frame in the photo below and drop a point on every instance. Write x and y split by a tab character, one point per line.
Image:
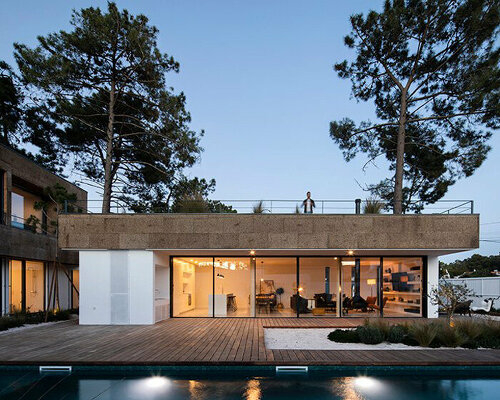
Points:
23	282
340	258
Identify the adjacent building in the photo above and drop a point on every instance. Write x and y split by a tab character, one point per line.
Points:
28	245
143	268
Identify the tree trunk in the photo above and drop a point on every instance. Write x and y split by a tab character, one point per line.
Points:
106	201
400	155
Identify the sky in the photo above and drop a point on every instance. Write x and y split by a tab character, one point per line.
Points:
259	80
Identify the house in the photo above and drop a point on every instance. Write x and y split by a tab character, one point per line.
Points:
143	268
28	245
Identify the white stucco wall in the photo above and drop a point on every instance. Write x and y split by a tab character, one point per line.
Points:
116	287
432	282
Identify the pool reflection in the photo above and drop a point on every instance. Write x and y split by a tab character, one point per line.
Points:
15	384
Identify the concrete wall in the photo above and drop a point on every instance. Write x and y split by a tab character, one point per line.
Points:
23	168
116	287
19	243
274	231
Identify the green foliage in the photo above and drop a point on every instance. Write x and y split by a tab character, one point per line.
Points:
192	203
396	334
474	266
431	69
373	206
259	208
103	88
370	334
379	324
174	198
344	336
450	336
10	105
422	333
490	335
469	328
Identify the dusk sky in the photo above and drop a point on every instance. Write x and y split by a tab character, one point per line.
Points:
259	80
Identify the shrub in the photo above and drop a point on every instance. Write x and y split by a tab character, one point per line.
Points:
469	328
422	333
19	318
370	334
396	334
373	206
450	336
380	324
344	336
490	335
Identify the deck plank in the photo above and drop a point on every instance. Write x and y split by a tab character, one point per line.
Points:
205	341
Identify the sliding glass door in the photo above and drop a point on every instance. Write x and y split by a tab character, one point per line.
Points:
276	287
319	288
192	287
234	288
293	286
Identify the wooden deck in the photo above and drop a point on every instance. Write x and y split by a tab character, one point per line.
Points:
203	341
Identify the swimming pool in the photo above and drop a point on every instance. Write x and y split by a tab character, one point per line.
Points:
233	383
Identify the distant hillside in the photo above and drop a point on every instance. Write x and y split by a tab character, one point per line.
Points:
481	264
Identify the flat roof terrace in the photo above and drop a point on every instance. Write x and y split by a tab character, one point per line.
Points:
364	233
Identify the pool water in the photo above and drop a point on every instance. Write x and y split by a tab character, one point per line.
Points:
160	384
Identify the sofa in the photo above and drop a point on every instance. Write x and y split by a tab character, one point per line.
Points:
300	303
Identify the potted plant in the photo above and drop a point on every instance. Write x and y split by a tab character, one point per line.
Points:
279	292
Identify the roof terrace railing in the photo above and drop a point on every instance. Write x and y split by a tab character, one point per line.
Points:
356	206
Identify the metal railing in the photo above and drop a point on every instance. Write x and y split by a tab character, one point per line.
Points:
356	206
27	225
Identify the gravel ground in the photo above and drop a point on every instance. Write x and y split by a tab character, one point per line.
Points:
317	339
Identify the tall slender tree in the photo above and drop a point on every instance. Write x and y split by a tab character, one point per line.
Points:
104	86
431	68
10	104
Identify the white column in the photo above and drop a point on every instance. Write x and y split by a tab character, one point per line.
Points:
432	282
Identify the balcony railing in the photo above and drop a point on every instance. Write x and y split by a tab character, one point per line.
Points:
24	224
356	206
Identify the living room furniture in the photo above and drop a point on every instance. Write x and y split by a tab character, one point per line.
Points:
231	302
485	308
463	308
324	300
371	303
300	303
266	301
354	303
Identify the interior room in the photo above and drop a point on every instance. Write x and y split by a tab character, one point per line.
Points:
360	287
402	287
319	286
290	286
276	287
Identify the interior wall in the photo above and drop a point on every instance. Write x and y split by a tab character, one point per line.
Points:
29	204
34	286
15	285
282	271
237	282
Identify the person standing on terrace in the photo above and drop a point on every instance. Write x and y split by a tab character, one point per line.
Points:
308	204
